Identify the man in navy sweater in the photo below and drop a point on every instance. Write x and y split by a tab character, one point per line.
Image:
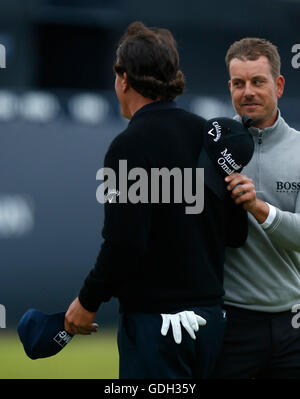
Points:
156	258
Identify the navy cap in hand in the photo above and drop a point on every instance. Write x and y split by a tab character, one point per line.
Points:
228	146
42	335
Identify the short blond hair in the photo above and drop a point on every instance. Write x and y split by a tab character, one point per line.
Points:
251	48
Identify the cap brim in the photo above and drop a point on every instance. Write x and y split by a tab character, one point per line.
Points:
212	179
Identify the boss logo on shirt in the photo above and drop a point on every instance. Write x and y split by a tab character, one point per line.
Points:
287	186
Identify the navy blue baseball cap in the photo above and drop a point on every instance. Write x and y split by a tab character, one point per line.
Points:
43	335
228	146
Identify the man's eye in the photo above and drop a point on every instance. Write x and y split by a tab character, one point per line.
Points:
257	82
237	84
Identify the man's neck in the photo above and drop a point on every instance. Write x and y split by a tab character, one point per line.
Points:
270	122
139	103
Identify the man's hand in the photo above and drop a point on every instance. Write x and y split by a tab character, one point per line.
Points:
243	192
189	320
78	320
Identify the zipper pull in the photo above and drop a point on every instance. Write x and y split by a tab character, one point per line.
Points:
260	138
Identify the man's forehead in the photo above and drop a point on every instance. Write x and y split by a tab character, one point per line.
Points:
245	68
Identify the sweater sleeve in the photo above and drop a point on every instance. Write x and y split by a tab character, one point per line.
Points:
125	233
285	228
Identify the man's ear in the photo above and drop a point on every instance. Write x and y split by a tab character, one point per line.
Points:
125	84
279	85
229	84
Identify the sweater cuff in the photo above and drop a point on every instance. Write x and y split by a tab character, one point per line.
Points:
89	303
271	216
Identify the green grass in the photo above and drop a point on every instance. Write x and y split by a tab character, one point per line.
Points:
86	356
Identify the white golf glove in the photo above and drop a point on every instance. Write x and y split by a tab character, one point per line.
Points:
189	320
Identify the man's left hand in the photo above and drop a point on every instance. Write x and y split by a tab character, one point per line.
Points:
78	320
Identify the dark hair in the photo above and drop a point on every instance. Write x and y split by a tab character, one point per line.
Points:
251	48
150	58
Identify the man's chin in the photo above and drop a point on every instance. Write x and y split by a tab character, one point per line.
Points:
253	112
250	111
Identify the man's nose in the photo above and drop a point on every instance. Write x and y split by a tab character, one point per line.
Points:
248	91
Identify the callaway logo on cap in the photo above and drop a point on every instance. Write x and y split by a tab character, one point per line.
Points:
227	147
